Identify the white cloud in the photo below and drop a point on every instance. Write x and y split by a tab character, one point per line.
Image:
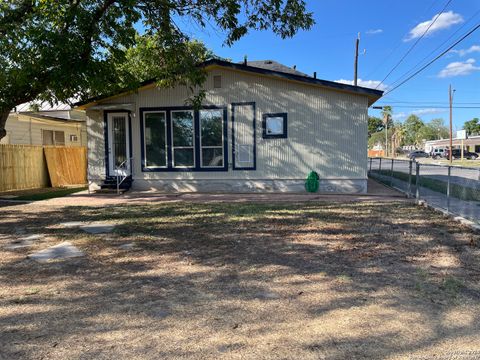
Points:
444	21
374	31
372	84
420	112
463	52
459	68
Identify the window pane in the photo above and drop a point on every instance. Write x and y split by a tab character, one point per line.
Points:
183	157
274	126
59	138
212	127
155	142
47	137
182	123
212	157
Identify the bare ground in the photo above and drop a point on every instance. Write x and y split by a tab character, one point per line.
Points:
355	280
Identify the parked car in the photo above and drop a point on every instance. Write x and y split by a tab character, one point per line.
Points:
417	154
438	153
457	154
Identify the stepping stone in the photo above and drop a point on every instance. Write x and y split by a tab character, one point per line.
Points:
63	250
32	237
23	242
160	313
71	224
98	228
128	246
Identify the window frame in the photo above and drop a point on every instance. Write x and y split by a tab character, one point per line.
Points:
144	125
222	146
197	148
284	134
194	142
54	141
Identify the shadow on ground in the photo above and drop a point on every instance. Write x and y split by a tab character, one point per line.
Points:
313	280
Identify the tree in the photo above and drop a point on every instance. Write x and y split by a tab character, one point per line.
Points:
434	130
472	126
375	124
56	50
411	127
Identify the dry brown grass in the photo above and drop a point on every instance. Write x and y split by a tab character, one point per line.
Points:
242	281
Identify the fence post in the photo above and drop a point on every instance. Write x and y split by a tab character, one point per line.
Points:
448	189
391	174
417	181
409	189
371	164
380	167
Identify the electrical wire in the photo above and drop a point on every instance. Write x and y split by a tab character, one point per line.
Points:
435	59
415	44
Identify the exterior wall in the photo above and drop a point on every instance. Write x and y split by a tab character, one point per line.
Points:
27	130
327	132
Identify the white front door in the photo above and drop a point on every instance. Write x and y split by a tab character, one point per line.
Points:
118	144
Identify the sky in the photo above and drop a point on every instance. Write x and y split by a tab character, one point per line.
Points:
388	29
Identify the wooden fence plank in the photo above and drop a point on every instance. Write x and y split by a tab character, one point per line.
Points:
66	165
22	167
29	166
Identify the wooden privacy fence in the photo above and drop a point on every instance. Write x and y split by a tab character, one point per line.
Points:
375	153
29	167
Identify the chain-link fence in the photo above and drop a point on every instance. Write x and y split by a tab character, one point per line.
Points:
455	189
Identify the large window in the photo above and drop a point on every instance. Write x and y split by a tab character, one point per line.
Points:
182	139
211	138
183	143
155	130
51	137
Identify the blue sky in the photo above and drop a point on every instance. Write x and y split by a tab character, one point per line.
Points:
388	29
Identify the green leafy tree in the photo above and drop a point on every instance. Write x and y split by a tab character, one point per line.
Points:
411	127
434	130
375	124
472	126
56	50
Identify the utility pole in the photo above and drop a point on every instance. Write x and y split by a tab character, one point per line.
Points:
450	96
355	70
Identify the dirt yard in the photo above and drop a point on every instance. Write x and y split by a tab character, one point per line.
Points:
180	280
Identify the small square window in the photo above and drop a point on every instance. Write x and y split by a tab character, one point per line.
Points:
73	138
217	82
274	126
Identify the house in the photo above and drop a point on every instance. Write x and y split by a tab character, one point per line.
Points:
471	144
52	127
262	127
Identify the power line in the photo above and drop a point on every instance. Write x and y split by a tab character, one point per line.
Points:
397	47
438	47
435	59
415	44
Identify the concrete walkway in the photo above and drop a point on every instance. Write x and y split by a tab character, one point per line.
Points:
376	192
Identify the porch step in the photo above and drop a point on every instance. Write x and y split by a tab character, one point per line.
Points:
109	185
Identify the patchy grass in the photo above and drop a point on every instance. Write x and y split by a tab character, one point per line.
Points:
44	194
308	281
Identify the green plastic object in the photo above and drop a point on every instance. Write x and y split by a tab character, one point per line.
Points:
312	183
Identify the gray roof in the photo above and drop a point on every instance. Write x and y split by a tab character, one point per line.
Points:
274	66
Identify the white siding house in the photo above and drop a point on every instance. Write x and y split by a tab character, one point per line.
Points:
258	130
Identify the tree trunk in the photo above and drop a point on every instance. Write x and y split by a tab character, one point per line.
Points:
3	120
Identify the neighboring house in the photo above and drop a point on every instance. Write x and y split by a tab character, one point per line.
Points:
262	127
471	144
54	127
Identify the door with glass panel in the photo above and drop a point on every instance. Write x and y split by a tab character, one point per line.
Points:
118	144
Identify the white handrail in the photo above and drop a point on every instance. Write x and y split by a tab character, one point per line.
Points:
118	175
